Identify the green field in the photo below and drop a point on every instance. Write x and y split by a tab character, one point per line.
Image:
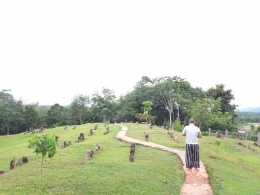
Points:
108	172
233	169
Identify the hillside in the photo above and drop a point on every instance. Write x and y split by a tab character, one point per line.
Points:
229	166
108	172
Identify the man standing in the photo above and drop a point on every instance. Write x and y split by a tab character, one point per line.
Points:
192	133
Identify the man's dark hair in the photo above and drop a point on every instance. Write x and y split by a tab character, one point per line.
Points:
191	120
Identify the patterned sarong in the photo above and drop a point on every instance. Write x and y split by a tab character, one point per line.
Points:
192	156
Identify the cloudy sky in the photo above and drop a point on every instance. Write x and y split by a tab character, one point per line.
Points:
53	50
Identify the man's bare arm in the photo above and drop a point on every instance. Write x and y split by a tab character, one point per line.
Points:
199	135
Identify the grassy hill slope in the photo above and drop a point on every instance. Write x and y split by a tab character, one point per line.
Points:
108	172
233	169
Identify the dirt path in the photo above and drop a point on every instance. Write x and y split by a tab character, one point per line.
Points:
196	183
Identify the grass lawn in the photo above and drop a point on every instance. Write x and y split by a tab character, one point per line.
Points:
233	169
108	172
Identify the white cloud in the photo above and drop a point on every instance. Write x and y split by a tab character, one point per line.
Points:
50	51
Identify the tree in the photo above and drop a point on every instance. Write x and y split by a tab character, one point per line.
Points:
58	115
127	107
258	129
78	107
44	145
104	105
165	87
200	110
207	113
162	91
147	108
252	127
11	114
31	115
226	98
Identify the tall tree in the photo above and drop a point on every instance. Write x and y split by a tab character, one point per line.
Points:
127	107
31	116
104	105
11	114
57	115
207	113
79	106
226	98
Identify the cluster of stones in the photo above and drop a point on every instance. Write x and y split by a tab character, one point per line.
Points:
32	131
107	131
20	161
174	137
241	144
90	153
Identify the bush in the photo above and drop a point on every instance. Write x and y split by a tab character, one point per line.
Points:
205	133
177	125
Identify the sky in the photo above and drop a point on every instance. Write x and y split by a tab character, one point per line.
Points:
51	51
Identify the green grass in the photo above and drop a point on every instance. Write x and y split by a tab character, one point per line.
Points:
232	169
108	172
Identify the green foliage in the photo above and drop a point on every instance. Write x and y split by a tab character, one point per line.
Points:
217	143
103	105
252	136
225	96
177	125
147	108
11	114
31	115
258	129
205	133
78	107
57	115
151	119
252	127
127	107
248	117
43	144
153	97
207	113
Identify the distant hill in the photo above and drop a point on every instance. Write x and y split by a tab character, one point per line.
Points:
44	106
252	109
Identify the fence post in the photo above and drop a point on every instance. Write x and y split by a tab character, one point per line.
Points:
226	133
209	131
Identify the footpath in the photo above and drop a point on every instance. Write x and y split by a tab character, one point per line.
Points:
196	183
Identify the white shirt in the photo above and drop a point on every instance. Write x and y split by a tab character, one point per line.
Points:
192	133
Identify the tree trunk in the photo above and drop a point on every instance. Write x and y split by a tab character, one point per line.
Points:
7	127
80	120
170	120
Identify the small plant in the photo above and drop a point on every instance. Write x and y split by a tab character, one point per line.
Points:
217	144
45	145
